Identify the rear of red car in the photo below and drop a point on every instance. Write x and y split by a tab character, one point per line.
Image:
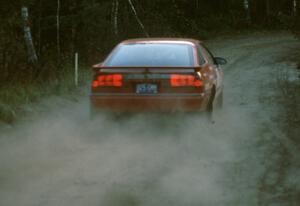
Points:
150	76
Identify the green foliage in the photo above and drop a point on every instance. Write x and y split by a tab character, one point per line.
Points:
87	27
15	97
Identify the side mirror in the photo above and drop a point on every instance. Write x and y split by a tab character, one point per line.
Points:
220	61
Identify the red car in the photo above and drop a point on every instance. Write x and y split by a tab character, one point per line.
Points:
158	75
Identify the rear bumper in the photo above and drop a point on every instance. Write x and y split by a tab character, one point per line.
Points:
153	103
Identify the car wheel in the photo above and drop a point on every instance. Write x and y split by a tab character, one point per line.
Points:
220	101
210	106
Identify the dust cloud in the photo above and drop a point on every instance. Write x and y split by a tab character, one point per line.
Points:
146	159
59	157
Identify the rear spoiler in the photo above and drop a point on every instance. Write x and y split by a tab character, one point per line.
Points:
104	69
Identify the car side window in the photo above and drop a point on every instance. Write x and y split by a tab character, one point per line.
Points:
201	59
208	55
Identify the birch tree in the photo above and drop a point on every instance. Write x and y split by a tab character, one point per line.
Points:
247	9
137	18
295	6
32	57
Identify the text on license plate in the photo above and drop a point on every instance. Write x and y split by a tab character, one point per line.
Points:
146	88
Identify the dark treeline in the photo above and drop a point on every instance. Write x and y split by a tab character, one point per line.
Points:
92	27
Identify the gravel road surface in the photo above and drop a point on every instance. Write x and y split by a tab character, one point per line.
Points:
56	157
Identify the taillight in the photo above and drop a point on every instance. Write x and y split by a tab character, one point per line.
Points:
185	81
114	80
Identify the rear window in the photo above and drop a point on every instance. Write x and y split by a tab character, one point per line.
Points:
160	55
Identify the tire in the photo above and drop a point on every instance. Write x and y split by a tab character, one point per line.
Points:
220	101
210	106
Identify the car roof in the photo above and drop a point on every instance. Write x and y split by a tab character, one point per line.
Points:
162	40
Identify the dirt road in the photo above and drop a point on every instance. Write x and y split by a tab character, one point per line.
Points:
58	158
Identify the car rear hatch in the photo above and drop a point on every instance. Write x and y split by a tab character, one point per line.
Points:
152	81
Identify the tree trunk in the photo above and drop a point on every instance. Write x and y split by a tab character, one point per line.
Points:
268	8
39	29
116	11
58	30
32	57
137	18
295	6
73	30
247	10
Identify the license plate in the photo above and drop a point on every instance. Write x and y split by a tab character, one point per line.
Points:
146	88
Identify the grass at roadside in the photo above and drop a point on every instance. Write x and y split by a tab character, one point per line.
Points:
16	99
